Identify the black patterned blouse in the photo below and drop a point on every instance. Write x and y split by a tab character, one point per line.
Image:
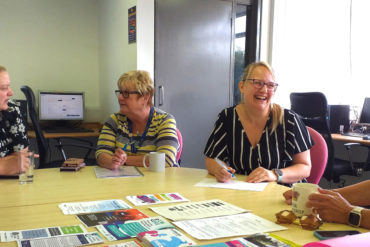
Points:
229	143
13	135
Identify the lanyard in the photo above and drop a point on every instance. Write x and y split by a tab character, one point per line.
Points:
132	142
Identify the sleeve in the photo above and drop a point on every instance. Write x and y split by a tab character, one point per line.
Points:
17	130
216	146
302	139
167	141
107	137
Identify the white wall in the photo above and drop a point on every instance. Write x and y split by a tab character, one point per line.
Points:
116	56
52	45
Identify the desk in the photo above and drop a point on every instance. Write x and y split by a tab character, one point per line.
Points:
93	126
339	137
36	205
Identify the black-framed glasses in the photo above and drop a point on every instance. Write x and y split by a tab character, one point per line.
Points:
258	84
125	93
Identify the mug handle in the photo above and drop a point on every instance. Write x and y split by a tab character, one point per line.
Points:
144	158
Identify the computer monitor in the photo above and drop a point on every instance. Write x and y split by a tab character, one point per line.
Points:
61	105
365	113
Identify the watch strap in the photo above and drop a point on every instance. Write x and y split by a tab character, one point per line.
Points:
279	175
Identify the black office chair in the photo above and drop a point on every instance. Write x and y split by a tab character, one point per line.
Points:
43	146
312	107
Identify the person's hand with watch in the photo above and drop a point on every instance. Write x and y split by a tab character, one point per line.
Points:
333	207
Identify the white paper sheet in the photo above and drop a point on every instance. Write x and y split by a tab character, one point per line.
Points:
123	171
232	184
227	226
63	241
197	210
9	236
93	206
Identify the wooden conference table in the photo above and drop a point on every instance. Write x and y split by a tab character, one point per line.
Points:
36	205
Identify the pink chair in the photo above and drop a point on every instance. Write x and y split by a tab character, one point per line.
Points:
179	137
319	156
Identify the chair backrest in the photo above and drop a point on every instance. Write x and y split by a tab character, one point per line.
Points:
313	109
179	137
40	139
319	156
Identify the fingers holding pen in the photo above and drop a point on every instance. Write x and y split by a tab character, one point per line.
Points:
119	158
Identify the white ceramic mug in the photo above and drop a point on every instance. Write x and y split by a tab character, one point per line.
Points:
157	161
301	191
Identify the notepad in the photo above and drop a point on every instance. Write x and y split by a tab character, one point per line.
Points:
123	171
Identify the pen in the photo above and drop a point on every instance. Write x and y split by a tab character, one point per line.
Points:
124	147
223	166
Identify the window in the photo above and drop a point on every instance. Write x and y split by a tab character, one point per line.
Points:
322	46
245	40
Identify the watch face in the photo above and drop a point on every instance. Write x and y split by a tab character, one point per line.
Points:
354	219
279	172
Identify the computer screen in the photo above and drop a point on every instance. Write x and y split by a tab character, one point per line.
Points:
365	113
61	105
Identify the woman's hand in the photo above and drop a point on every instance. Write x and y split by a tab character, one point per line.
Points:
261	174
222	175
330	205
118	159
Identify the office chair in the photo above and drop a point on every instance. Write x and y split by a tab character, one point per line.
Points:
179	137
312	107
43	146
319	156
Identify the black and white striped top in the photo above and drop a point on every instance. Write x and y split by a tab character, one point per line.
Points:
229	143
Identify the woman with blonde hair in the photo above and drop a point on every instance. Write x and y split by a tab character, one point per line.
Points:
257	137
138	128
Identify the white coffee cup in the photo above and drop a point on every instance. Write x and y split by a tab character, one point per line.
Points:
301	191
157	161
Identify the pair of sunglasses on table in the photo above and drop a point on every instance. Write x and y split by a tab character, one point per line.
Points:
307	222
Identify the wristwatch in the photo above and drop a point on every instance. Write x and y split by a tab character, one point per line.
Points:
279	175
354	218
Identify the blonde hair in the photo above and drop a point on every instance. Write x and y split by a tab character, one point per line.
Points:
2	68
276	110
141	80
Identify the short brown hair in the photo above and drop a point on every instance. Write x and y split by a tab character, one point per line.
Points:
2	68
141	80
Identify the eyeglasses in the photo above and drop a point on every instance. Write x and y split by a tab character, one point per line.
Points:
258	84
125	93
307	222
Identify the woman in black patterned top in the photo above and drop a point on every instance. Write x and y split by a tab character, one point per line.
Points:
13	136
257	137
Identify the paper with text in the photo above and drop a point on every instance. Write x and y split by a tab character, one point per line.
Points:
232	184
92	206
196	210
228	226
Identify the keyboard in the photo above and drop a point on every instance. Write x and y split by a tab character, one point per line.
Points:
355	134
67	130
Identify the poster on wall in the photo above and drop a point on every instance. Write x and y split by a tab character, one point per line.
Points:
132	25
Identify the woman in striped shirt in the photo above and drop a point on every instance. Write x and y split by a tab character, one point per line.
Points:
139	128
257	137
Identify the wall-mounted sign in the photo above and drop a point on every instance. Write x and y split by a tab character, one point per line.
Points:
132	25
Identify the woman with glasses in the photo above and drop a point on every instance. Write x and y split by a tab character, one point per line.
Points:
257	137
138	128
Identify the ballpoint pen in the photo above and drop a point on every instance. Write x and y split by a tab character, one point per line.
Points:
223	166
124	147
